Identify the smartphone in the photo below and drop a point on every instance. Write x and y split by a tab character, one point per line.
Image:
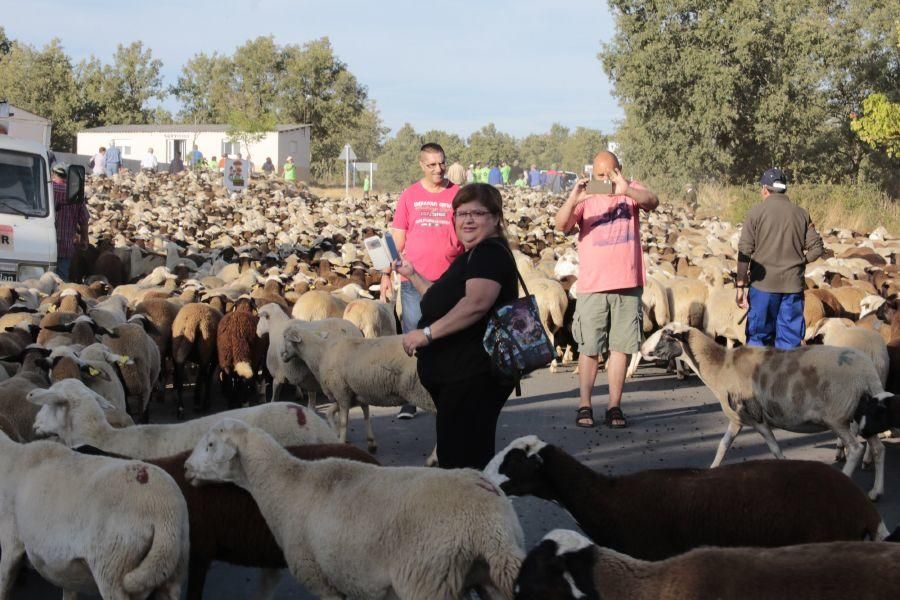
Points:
596	186
391	246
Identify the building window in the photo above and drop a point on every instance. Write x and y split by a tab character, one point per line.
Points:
230	147
124	146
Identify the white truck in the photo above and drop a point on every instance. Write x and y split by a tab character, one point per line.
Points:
27	215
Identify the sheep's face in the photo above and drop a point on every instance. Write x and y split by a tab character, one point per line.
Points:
68	408
665	344
550	572
518	469
53	416
262	326
215	457
873	415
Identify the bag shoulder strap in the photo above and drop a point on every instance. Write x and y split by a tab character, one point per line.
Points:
515	266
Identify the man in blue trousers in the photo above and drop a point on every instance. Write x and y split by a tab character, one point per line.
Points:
777	241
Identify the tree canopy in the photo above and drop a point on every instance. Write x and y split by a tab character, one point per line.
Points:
294	84
716	90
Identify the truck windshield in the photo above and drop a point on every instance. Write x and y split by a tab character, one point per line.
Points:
22	187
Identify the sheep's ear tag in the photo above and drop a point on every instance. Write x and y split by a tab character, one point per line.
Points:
52	308
123	360
93	372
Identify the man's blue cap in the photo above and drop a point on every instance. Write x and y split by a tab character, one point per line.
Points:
775	179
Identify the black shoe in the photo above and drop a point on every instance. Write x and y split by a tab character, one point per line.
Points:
407	411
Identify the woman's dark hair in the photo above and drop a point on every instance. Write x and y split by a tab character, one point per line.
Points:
486	195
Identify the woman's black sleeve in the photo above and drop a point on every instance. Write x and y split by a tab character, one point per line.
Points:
489	261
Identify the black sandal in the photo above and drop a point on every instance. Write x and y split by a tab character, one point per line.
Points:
613	415
584	417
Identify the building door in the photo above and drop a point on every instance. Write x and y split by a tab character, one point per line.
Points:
176	146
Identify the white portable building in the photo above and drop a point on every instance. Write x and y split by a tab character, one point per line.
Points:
211	140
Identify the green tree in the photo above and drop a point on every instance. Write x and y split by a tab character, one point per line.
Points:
204	88
120	92
295	84
580	148
398	163
453	145
5	42
489	144
715	89
248	130
879	126
41	81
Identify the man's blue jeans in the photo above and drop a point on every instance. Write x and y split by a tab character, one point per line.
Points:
112	168
412	312
63	266
775	319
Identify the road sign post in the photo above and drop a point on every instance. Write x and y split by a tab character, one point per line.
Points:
347	155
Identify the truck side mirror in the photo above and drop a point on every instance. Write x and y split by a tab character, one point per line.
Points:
75	184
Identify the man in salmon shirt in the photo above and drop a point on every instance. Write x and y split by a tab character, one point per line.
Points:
610	280
424	234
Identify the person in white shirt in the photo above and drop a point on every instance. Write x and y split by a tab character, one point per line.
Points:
98	162
149	162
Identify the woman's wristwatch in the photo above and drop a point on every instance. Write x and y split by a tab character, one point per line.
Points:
427	332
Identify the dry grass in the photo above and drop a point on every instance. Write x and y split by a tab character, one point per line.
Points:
857	207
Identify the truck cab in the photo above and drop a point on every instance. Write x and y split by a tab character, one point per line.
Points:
27	215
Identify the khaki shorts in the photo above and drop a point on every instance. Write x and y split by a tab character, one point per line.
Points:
608	321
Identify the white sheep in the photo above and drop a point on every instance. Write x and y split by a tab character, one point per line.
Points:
316	305
843	333
723	317
126	538
110	312
353	530
807	389
358	371
373	318
75	415
274	322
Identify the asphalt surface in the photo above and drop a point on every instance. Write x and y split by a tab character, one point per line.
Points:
671	424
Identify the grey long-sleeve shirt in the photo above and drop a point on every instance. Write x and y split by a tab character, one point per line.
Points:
777	241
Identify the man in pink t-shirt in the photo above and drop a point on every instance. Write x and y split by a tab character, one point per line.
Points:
424	234
610	280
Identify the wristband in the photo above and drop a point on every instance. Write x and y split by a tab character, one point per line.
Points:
427	332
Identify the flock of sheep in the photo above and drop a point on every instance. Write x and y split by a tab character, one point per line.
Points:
269	295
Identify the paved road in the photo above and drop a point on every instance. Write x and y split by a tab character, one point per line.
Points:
672	424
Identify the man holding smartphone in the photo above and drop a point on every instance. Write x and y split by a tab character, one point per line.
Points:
610	281
423	233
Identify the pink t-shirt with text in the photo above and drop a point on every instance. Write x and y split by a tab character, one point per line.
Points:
609	243
427	218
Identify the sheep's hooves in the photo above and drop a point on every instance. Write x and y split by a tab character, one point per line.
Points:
180	413
373	448
874	497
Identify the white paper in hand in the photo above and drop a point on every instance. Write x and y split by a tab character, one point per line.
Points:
378	252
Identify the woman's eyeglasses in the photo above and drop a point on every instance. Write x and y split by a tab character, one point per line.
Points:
462	215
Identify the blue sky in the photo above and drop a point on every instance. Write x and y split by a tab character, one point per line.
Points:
522	64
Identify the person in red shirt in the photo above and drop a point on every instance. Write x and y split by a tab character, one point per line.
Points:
610	280
71	223
425	236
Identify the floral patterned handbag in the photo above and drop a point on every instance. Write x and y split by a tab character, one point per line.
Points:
515	339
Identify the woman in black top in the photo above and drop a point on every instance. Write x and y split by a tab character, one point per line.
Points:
453	365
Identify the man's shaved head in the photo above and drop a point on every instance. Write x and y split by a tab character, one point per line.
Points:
605	163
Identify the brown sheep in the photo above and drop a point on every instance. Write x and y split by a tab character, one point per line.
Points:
162	314
241	352
194	339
